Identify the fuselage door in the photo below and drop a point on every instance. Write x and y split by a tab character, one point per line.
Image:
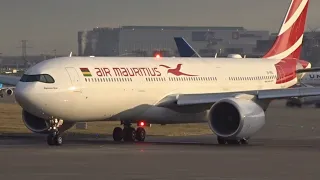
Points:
75	80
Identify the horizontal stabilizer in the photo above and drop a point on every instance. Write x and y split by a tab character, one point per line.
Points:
317	69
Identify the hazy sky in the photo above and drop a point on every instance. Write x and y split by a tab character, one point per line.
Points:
53	24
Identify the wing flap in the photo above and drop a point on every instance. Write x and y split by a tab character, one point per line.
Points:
288	93
191	99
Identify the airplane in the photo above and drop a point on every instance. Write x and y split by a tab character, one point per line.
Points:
186	50
311	79
8	90
229	95
307	79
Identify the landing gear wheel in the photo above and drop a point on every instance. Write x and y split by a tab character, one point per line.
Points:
244	141
129	134
140	134
54	139
58	140
221	140
50	139
233	142
117	134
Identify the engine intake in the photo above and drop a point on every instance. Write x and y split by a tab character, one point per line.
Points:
236	118
39	125
34	123
9	92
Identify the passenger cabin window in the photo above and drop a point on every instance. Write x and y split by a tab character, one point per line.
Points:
44	78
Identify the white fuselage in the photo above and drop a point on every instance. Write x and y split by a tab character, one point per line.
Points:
128	88
311	78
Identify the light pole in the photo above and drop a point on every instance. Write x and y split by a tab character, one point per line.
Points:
0	62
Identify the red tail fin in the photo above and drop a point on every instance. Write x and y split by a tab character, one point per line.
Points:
289	40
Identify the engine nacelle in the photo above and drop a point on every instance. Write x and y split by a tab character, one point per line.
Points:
39	125
9	92
236	118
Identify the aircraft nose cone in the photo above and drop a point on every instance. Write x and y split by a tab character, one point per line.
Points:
27	97
23	94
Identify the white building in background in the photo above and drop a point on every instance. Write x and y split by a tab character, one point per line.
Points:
147	39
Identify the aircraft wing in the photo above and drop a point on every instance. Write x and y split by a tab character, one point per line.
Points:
210	98
9	80
316	69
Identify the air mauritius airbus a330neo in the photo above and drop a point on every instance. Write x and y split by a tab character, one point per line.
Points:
229	95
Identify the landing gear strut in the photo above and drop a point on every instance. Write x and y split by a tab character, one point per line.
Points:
222	140
128	133
54	137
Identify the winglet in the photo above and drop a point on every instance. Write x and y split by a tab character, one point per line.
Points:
184	48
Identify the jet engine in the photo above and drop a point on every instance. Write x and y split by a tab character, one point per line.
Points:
233	118
39	125
9	92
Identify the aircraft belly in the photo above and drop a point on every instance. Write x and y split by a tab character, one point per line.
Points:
161	115
114	104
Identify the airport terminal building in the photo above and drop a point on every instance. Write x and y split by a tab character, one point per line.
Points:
148	40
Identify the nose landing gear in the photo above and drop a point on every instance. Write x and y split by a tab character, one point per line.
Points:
129	134
54	137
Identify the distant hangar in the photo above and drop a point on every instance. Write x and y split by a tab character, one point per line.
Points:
147	40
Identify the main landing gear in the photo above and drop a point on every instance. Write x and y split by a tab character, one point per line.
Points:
129	134
221	140
54	137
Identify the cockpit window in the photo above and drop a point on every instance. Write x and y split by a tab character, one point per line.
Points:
45	78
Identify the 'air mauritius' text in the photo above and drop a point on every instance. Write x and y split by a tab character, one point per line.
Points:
127	72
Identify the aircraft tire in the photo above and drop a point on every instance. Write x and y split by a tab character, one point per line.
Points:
140	134
244	141
54	139
58	140
233	142
50	139
129	134
117	134
221	140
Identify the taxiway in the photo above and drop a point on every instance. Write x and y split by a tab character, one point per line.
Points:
288	147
